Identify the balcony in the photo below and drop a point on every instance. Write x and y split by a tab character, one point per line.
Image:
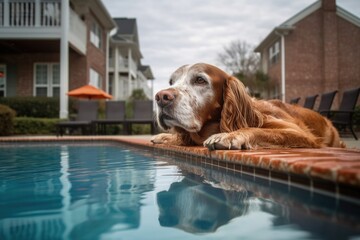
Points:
124	65
39	19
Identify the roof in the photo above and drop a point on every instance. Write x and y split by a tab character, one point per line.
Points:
102	14
146	70
289	24
126	30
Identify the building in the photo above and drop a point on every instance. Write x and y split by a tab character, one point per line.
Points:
50	47
313	52
126	73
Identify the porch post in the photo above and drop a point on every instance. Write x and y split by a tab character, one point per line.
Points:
107	64
64	59
116	83
129	87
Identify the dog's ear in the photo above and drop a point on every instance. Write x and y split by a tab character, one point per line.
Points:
238	109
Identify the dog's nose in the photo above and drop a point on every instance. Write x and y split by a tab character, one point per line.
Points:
165	97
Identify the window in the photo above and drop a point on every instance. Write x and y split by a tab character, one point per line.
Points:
47	80
274	53
95	35
2	80
95	78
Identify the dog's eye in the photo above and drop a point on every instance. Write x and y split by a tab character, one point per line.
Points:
200	81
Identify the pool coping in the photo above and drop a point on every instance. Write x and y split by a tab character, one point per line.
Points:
328	170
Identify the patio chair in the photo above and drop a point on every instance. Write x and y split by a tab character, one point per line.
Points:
310	101
343	117
87	113
114	115
326	101
295	100
142	114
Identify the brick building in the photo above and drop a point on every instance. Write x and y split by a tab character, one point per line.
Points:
50	47
313	52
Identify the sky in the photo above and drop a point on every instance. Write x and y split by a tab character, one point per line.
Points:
173	33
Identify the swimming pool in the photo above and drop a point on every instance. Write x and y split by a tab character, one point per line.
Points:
112	191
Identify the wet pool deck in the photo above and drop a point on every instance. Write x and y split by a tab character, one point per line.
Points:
332	170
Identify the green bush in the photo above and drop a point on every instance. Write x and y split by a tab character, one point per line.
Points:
7	116
141	129
37	107
36	126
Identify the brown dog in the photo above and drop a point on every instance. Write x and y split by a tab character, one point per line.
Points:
206	106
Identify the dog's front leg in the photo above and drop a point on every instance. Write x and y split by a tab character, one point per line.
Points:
166	138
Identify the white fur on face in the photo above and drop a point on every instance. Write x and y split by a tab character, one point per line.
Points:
191	98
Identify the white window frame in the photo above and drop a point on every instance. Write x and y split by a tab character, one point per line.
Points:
274	53
96	34
49	85
3	66
95	78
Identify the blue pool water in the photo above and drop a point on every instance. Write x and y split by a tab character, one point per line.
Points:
107	191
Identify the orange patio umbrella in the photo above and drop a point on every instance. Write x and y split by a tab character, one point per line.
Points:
89	92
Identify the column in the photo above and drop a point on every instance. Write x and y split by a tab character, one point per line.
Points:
116	73
64	59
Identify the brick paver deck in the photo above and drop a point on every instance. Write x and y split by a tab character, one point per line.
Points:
332	170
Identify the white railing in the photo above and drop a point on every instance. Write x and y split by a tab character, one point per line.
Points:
30	13
50	13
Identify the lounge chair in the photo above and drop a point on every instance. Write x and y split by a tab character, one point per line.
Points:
295	100
343	117
310	101
142	114
115	114
87	113
326	101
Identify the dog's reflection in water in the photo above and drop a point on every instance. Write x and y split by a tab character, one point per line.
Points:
198	207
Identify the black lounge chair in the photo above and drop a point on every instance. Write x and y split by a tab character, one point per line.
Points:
343	117
295	100
115	114
142	114
87	113
326	101
310	101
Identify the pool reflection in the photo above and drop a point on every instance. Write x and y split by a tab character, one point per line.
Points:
72	192
194	205
197	207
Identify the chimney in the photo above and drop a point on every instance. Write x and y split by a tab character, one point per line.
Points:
329	5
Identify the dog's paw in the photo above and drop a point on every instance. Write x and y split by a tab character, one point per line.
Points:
162	138
223	141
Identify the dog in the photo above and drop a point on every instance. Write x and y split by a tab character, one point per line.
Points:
206	106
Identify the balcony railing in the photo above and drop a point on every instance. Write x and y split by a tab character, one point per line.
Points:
30	13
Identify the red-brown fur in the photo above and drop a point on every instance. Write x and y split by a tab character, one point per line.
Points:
234	120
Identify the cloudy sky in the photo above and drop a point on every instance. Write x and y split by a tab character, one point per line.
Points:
177	32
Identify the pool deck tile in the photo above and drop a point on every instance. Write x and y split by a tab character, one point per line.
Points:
336	165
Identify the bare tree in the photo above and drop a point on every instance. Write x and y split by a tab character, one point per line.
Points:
239	58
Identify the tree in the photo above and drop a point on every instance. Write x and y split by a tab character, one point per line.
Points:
239	58
241	61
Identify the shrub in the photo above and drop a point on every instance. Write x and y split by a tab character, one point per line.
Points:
37	107
36	126
7	116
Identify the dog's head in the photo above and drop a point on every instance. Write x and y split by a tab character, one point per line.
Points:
201	94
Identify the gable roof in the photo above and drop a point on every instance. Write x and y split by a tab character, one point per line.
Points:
146	70
126	30
289	24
